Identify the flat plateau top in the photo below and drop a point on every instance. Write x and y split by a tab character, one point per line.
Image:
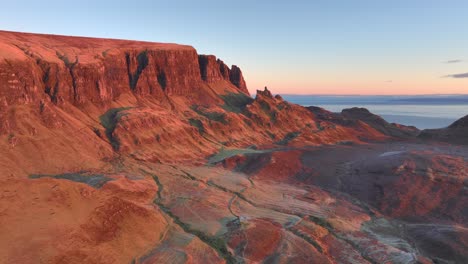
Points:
18	45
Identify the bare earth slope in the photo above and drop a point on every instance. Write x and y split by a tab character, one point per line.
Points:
116	151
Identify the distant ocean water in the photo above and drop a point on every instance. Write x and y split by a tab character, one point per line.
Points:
431	111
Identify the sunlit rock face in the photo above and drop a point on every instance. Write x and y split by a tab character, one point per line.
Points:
116	151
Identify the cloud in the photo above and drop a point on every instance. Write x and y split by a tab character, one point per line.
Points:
453	61
457	76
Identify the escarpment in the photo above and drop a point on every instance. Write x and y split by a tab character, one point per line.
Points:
167	102
86	70
213	70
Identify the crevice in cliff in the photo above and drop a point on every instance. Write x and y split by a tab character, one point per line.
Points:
45	79
223	69
72	74
46	72
162	80
142	63
129	72
70	66
25	51
202	64
52	92
109	121
98	86
53	97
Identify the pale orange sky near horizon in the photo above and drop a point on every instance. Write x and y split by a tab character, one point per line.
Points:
318	73
369	76
389	87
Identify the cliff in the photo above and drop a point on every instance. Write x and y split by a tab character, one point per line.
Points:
213	70
78	70
153	101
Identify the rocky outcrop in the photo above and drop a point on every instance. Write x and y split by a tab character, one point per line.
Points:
461	123
86	70
455	133
153	71
235	75
377	122
353	117
209	68
224	69
213	70
264	94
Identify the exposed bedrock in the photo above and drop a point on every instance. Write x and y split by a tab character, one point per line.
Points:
87	70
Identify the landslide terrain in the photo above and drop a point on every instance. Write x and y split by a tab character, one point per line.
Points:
117	151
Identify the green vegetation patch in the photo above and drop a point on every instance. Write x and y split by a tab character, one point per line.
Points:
198	124
266	108
289	136
215	242
213	116
93	180
109	121
321	222
227	153
236	102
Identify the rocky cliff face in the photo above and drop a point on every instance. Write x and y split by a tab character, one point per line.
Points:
139	89
213	70
86	70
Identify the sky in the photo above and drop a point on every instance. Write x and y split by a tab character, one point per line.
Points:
293	47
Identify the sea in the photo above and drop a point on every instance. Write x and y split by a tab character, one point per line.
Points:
421	111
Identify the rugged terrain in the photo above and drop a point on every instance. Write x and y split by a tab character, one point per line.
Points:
116	151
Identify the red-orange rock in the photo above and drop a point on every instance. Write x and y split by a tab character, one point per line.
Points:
236	77
213	70
81	70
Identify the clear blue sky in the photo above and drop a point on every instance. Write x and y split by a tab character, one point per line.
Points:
316	47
